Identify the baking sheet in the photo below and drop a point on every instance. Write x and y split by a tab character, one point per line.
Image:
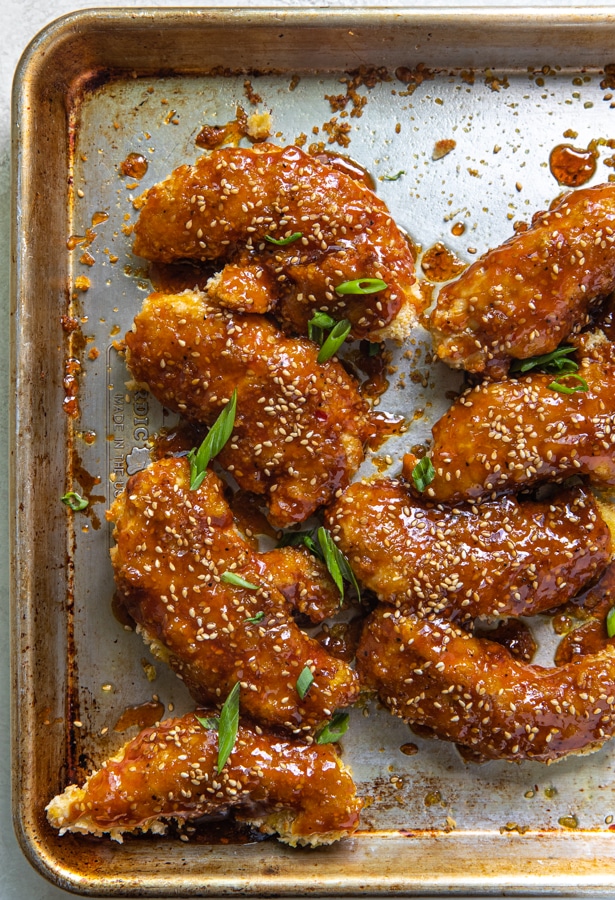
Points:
98	86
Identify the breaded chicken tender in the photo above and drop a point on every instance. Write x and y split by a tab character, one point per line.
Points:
510	435
300	425
524	298
177	561
501	558
281	786
231	205
472	690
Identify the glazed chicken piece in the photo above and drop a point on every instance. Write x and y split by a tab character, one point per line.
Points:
230	204
501	558
524	298
175	551
303	793
592	608
300	425
510	435
472	691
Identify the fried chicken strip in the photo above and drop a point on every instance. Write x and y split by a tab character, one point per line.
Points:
174	549
303	793
472	691
300	425
227	205
524	298
509	435
502	558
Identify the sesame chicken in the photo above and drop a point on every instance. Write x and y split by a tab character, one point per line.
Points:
472	691
174	547
304	793
231	205
510	435
300	425
501	558
525	297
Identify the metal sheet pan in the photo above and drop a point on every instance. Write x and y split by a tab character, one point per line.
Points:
92	88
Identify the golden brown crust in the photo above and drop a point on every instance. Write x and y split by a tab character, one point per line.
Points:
300	424
501	558
510	435
224	206
173	546
472	691
168	772
524	298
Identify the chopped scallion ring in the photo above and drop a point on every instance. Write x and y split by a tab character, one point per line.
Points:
334	341
361	286
254	620
228	725
610	622
282	242
334	729
317	324
394	177
554	362
238	581
304	681
566	389
218	435
423	473
75	501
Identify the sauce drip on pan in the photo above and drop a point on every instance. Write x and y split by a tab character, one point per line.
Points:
441	264
571	166
135	166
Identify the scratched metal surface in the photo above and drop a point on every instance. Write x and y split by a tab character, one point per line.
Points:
504	124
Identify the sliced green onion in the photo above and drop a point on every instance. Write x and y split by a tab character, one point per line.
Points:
254	620
317	324
394	177
294	539
361	286
238	581
554	362
334	729
423	473
334	341
210	723
218	435
373	349
304	681
336	562
564	388
610	622
75	501
227	727
282	242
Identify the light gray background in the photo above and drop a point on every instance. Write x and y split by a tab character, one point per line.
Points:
20	21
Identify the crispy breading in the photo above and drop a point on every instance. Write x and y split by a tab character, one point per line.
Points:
300	425
174	548
524	298
304	793
227	204
501	558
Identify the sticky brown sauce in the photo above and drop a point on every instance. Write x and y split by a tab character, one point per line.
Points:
177	277
384	425
589	638
342	638
143	716
571	166
441	264
249	518
512	634
134	166
347	166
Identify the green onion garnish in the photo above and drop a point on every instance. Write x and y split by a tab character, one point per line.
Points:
554	362
75	501
209	723
282	242
610	622
295	539
304	681
334	729
238	581
394	177
423	473
564	388
336	562
361	286
334	341
317	325
254	620
227	727
373	349
218	435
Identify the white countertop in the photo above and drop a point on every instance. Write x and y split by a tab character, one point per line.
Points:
20	21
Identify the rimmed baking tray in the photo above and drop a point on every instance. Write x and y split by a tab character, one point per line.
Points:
502	89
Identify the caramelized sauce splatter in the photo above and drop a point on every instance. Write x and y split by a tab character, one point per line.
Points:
347	166
570	166
212	136
440	264
514	635
134	166
144	715
458	229
72	370
384	425
409	749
